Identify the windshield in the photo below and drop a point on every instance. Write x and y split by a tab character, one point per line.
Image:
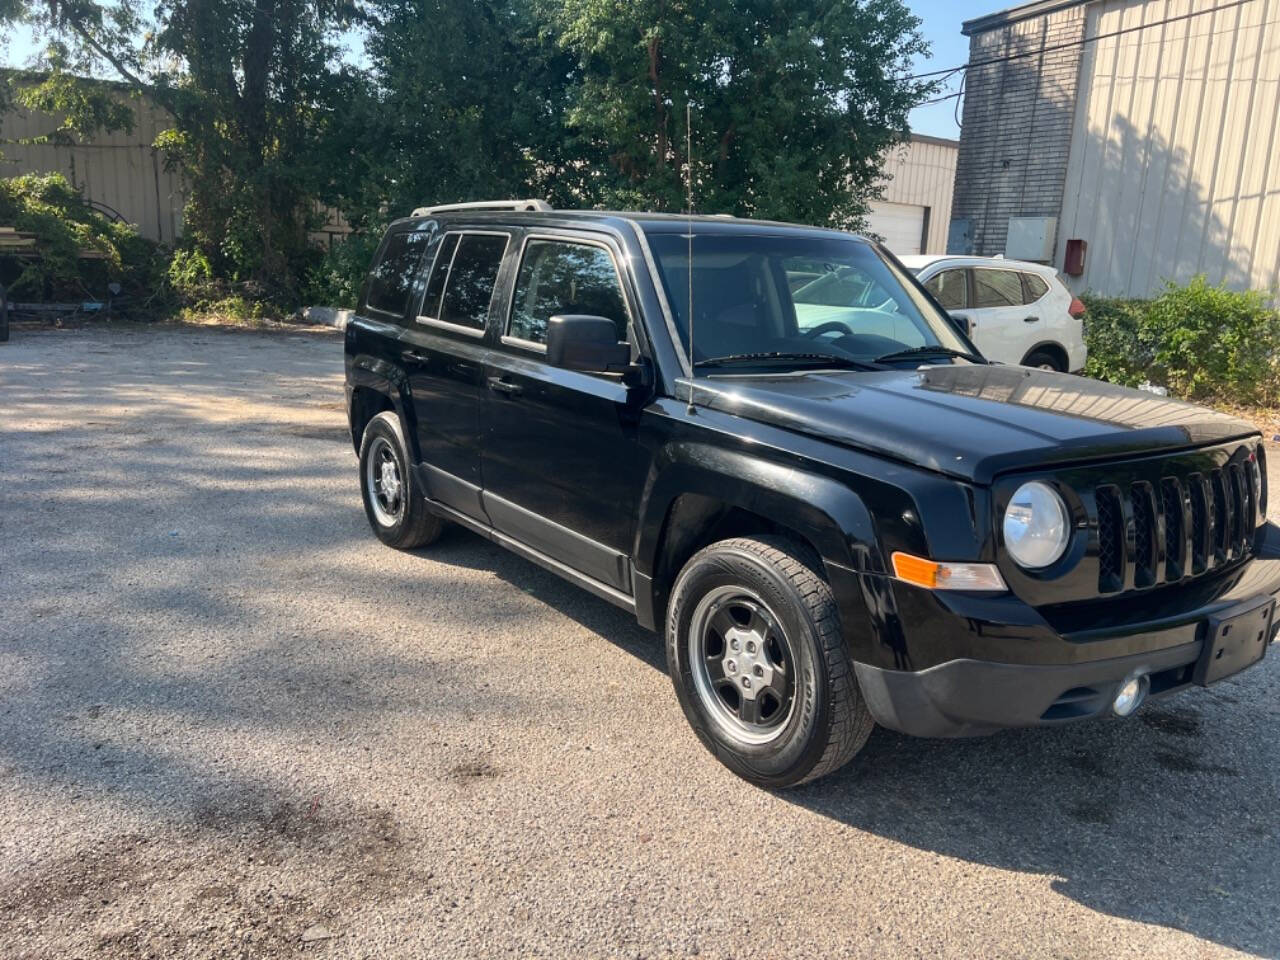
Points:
756	294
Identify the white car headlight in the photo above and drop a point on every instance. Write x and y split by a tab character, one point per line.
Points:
1037	525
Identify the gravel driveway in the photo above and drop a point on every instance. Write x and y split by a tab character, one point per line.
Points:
232	724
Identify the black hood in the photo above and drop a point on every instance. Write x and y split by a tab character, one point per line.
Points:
972	421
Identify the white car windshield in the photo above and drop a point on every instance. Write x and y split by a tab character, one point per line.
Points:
783	298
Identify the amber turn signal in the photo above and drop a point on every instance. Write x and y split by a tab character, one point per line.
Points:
947	576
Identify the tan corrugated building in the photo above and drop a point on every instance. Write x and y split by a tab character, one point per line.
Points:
1140	133
119	171
919	177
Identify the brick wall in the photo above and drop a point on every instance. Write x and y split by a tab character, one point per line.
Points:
1016	132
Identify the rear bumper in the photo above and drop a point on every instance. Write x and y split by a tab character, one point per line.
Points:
978	688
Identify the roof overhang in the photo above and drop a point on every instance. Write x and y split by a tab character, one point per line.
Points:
1025	11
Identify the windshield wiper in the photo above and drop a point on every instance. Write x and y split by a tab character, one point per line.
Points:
813	359
930	351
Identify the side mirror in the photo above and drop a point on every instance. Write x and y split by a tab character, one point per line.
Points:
590	344
961	323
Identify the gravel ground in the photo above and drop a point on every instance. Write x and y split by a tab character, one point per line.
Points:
232	724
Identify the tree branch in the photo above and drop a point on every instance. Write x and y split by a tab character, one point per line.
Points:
149	89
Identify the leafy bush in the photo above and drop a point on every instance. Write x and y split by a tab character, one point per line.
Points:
1199	341
336	280
49	207
190	273
1113	327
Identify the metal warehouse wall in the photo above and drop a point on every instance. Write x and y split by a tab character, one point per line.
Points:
923	172
118	169
1174	166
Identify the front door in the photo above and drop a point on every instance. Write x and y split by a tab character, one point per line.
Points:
443	353
562	466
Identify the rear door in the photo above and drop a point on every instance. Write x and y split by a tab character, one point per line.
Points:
443	352
563	468
1004	329
373	334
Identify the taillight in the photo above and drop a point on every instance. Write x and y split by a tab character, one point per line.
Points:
1076	309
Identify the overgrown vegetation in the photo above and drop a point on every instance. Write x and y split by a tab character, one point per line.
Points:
580	101
81	252
1199	341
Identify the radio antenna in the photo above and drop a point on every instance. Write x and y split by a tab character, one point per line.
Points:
688	182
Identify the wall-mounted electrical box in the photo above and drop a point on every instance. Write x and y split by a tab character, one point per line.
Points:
1073	262
1031	238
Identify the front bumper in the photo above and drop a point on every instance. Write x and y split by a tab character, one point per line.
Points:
1059	676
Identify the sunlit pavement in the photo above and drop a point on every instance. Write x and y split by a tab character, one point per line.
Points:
233	724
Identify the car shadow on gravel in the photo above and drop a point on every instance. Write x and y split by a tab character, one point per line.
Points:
1165	818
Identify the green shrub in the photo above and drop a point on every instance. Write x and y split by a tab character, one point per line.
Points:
1112	331
1213	343
190	273
1199	341
49	207
338	277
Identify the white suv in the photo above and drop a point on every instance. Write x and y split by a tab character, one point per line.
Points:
1017	312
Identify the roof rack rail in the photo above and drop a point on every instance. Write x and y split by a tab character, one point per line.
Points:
539	205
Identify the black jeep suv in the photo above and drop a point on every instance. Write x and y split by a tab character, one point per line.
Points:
770	440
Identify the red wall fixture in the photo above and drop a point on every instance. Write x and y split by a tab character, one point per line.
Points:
1073	263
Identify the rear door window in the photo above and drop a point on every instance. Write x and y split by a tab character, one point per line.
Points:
392	275
558	276
950	288
473	274
997	288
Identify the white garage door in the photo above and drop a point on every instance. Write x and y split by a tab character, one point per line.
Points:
901	225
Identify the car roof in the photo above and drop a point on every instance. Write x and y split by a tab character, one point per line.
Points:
920	261
616	219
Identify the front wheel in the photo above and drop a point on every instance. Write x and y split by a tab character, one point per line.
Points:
397	514
759	664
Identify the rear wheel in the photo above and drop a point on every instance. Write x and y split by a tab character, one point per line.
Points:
759	664
397	514
1045	360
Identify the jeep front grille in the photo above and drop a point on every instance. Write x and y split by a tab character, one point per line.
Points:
1198	521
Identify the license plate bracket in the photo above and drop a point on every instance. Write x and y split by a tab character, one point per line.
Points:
1235	639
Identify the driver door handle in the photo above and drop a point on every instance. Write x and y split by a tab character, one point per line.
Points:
1030	319
498	385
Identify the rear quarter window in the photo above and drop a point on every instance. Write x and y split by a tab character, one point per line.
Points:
393	272
1033	287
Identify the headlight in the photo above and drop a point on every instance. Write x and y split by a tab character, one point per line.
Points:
1036	525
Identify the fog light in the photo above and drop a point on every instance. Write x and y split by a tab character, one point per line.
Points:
1130	695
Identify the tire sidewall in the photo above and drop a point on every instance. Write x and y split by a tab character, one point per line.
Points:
801	745
385	425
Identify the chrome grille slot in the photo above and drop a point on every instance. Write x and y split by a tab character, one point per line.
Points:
1219	518
1175	540
1111	558
1200	546
1143	504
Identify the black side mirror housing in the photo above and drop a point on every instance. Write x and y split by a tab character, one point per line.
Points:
582	342
961	323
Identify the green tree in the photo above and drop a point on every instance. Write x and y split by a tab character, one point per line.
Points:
465	103
253	87
793	101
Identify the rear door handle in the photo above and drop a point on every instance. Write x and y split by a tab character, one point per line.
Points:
498	385
414	355
1030	319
